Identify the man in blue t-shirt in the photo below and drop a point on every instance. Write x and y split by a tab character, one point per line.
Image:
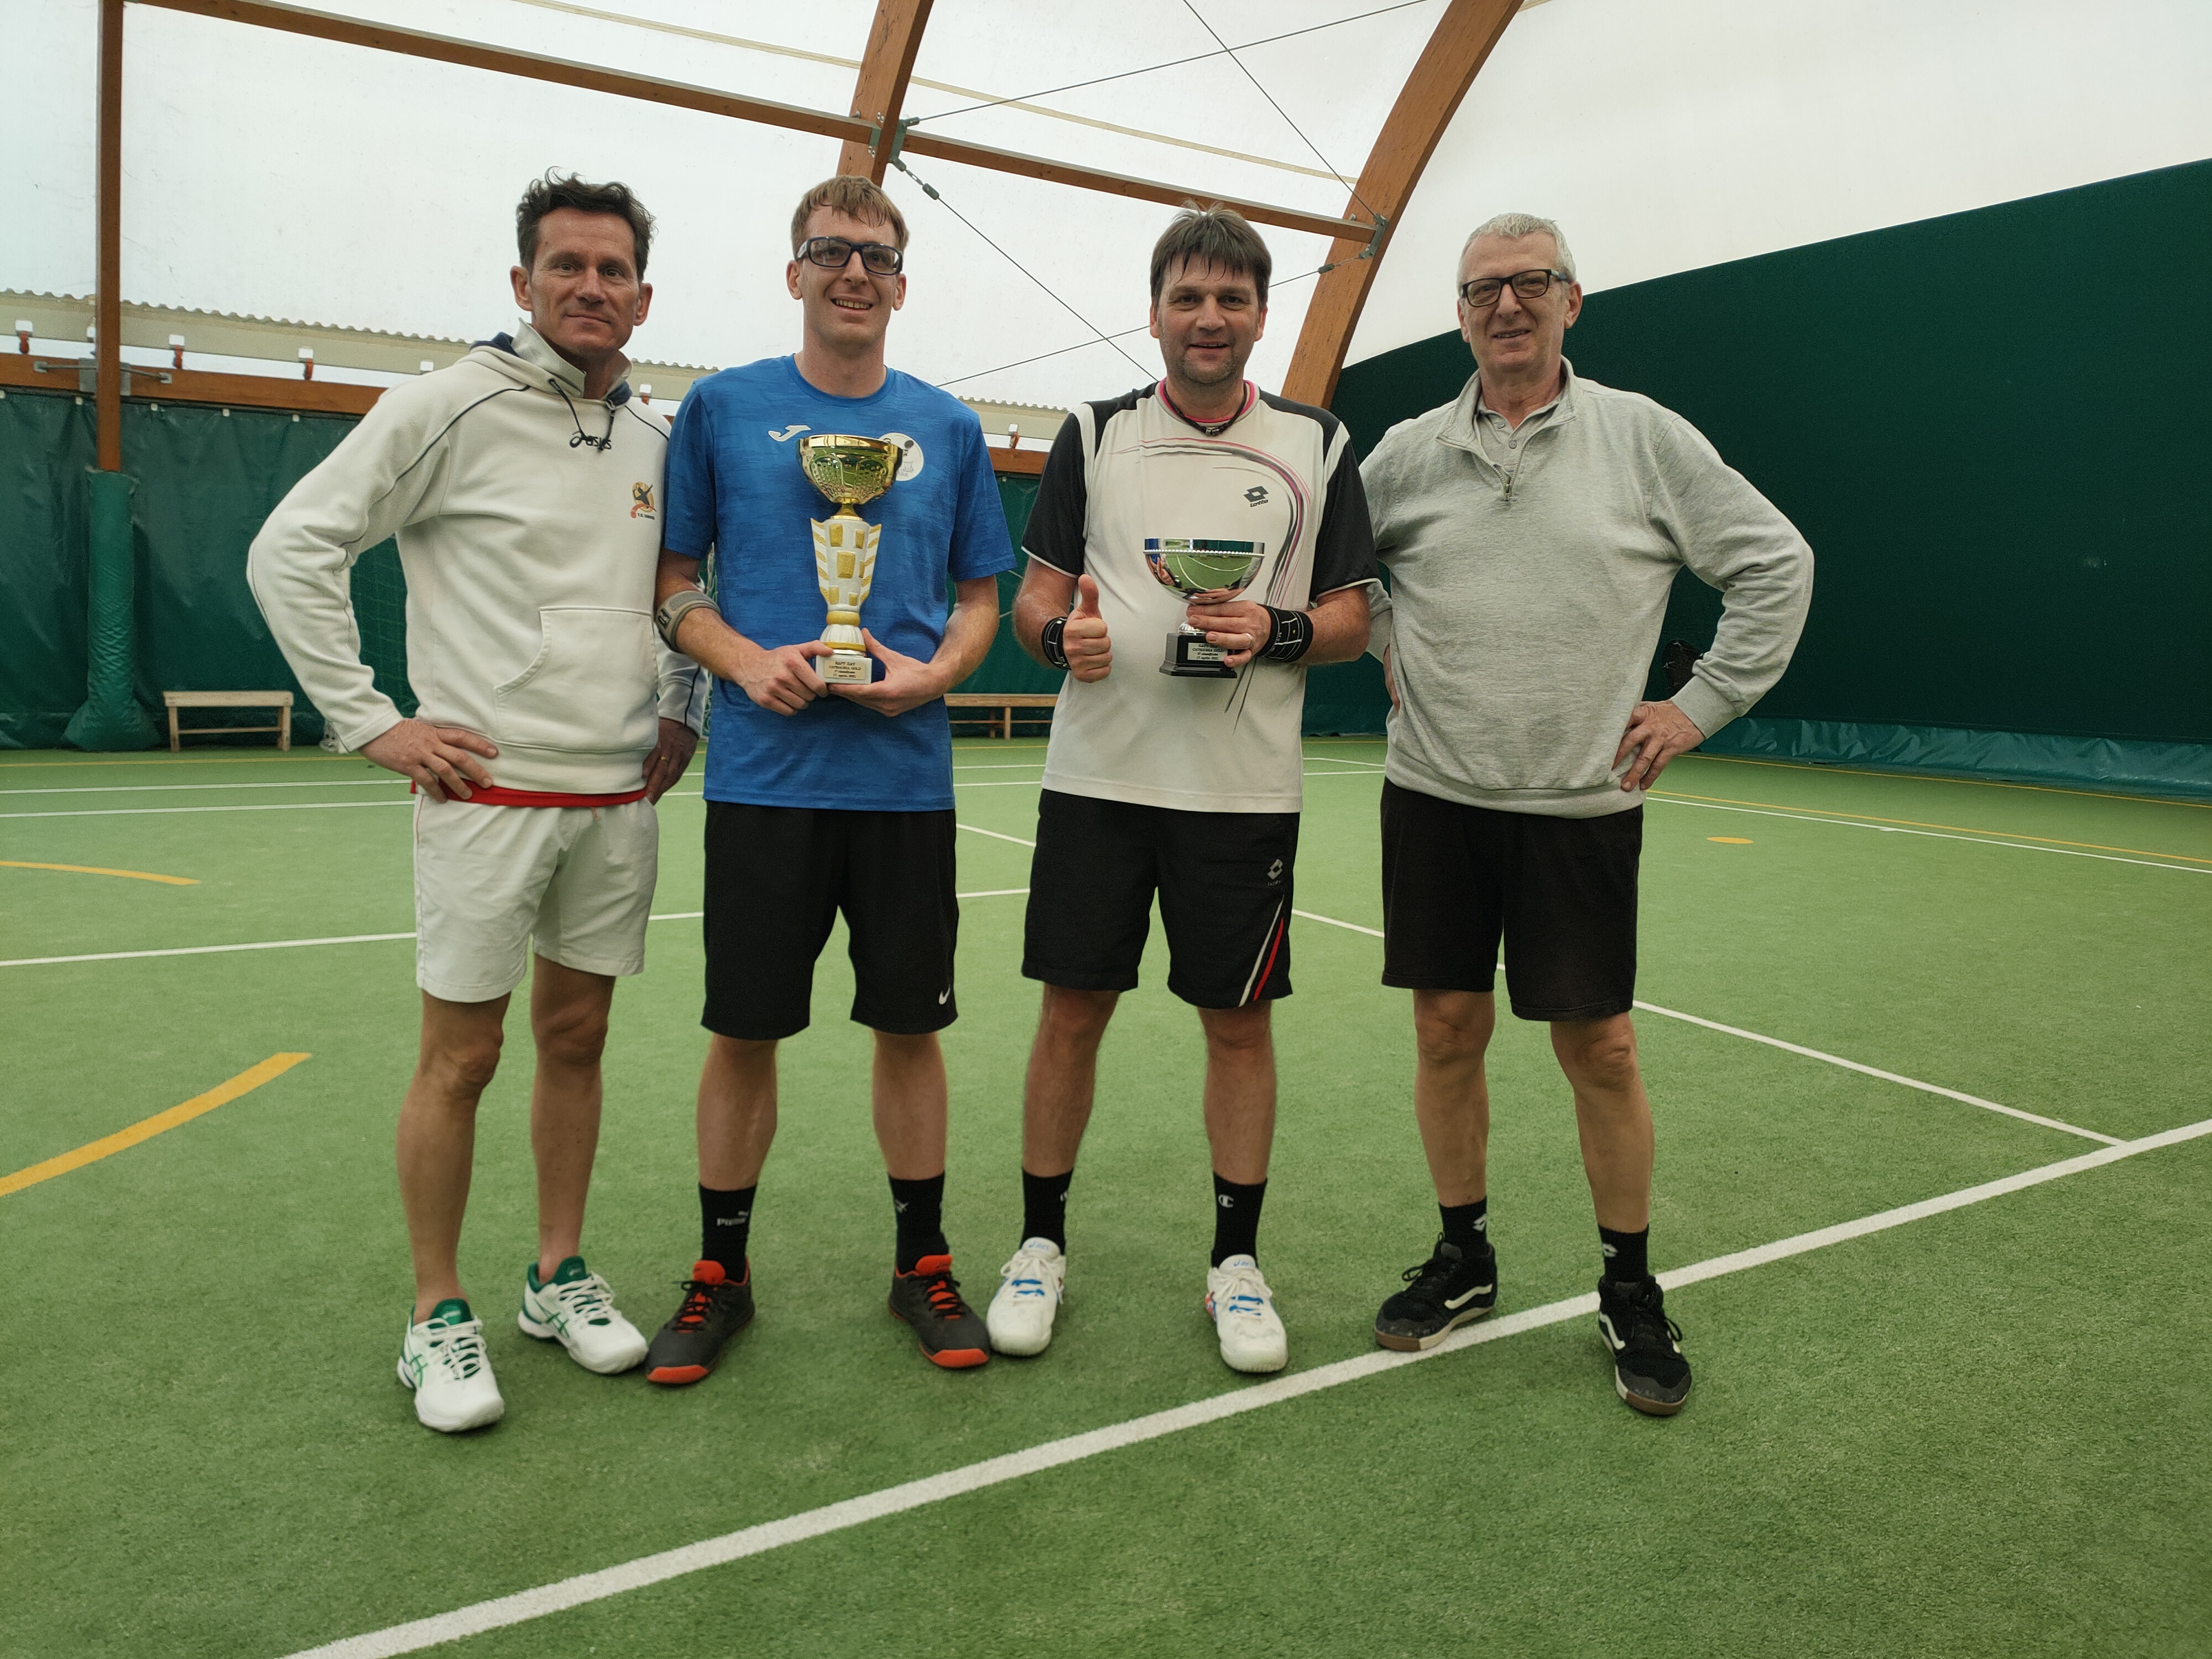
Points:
825	796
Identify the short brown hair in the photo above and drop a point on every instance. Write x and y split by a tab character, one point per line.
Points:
565	190
1216	235
857	197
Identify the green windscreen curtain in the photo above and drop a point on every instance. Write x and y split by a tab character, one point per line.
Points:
206	480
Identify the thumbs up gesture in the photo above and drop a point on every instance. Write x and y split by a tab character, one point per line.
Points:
1090	652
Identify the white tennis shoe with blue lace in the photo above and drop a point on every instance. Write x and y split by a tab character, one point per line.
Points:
1242	1308
1031	1286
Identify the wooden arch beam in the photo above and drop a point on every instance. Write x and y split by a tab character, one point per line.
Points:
880	93
1425	106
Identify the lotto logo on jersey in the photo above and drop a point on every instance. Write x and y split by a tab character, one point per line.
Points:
641	501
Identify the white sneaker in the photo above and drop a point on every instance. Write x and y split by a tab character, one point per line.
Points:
1031	1285
443	1360
577	1310
1242	1308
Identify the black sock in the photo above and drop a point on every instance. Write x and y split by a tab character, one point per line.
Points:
1237	1218
726	1226
1045	1206
1467	1225
1625	1254
920	1206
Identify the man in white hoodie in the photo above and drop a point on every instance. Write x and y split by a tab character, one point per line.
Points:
524	485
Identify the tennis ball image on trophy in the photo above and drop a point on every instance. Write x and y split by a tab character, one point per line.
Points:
852	472
1200	567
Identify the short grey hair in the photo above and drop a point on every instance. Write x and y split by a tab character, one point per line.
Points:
1512	227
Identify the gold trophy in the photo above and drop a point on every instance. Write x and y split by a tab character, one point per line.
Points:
850	471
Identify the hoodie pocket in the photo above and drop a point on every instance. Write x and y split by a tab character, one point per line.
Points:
591	688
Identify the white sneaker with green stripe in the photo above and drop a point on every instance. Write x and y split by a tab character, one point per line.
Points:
576	1308
443	1360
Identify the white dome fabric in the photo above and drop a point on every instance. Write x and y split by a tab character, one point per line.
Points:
269	174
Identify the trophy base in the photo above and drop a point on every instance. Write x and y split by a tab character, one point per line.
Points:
1189	657
846	668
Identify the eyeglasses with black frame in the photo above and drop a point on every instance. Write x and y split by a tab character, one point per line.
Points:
835	252
1526	285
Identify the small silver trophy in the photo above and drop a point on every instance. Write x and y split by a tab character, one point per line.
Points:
1201	569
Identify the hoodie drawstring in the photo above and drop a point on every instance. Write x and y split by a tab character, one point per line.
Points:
601	444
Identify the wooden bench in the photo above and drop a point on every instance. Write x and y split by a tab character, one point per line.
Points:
280	700
1005	702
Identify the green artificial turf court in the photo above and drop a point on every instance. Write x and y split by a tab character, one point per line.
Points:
1977	1432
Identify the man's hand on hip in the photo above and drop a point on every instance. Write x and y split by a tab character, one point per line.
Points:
1238	626
907	682
665	764
440	758
782	680
1657	731
1090	651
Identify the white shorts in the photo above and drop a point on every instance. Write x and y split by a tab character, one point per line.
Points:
490	880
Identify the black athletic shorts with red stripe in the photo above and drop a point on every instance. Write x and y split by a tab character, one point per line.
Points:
1223	881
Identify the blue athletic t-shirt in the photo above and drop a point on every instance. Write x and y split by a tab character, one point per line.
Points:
735	486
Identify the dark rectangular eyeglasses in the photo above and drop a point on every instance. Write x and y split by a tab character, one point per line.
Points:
835	252
1526	285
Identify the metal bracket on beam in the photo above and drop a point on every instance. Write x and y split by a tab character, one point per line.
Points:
87	377
1375	242
898	141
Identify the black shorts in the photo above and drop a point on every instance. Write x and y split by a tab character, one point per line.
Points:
1561	891
1224	880
777	876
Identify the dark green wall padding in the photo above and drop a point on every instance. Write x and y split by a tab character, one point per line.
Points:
1991	428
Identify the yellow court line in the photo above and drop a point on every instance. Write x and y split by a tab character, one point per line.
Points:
1938	777
245	1083
1868	817
94	870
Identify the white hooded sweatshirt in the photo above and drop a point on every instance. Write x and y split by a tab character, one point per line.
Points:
528	518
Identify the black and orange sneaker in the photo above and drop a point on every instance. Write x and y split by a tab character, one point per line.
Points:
713	1310
928	1299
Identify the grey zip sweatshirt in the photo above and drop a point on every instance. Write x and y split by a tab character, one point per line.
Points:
1525	603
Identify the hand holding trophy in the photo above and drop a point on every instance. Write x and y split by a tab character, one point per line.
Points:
851	471
1202	569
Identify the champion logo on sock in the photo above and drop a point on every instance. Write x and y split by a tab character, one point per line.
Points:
1609	1251
1225	1200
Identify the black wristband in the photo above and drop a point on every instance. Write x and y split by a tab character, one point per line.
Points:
1048	643
1293	634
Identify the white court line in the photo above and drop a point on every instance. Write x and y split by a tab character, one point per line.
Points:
1932	834
313	806
1349	926
1886	1077
147	811
352	938
1809	1053
995	836
587	1587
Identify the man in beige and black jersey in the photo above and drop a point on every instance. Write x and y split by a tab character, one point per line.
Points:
1185	786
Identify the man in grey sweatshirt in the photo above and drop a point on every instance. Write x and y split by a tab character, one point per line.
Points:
1532	530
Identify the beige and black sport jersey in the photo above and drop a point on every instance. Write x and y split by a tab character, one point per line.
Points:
1278	476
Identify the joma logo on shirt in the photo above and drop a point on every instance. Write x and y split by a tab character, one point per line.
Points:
640	495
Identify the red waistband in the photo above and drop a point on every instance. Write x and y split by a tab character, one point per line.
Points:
490	794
